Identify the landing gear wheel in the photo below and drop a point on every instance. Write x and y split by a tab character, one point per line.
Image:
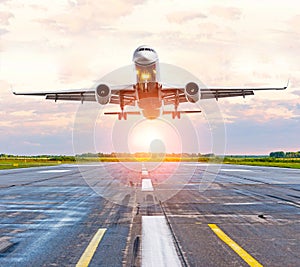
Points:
122	115
175	114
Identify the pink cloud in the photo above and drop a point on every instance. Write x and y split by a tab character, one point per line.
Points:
229	13
5	17
184	16
260	110
74	67
294	23
90	16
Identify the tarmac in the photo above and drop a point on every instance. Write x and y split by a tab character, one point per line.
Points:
187	214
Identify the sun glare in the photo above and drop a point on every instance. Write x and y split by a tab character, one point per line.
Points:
154	136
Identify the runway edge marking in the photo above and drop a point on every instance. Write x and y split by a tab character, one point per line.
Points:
234	246
89	252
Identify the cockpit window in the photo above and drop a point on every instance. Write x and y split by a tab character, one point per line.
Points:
146	49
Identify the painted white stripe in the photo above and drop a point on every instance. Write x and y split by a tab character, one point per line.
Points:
145	173
147	185
235	170
157	244
53	171
244	203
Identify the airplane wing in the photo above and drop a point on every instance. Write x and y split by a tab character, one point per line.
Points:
221	92
171	92
84	95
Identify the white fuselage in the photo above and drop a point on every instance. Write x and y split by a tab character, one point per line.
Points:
147	81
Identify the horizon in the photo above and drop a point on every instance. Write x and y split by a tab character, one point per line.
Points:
196	154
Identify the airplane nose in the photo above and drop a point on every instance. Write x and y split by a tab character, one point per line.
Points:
144	59
144	56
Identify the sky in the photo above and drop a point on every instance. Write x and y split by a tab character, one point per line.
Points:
63	44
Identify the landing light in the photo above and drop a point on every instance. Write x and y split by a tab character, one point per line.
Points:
145	76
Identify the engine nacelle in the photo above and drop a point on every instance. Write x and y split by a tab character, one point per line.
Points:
192	92
103	94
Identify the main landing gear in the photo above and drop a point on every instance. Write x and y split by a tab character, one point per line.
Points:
175	114
122	115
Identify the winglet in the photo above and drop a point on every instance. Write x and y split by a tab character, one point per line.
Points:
284	87
287	85
11	89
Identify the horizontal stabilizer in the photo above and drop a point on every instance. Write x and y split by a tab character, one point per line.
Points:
176	114
127	112
123	115
182	112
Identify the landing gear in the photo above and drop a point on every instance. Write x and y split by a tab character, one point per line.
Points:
122	115
175	114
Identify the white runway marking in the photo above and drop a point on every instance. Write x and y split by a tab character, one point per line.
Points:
53	171
147	185
145	173
157	244
84	165
235	170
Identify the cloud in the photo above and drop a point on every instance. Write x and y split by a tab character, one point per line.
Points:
260	110
294	23
184	16
28	143
3	31
23	113
5	17
90	16
18	114
296	92
228	13
74	67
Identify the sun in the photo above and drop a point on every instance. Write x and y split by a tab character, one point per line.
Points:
153	136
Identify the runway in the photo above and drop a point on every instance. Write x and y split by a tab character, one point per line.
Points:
227	215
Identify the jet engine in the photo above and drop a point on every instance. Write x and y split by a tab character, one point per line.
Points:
103	94
192	92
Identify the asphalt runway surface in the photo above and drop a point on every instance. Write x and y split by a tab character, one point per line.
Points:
149	215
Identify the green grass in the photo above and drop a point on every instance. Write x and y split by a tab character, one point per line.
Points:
265	161
26	163
270	164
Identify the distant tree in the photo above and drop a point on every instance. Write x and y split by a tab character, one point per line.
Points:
292	155
277	154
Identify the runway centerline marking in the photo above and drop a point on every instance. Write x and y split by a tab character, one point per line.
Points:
158	247
235	170
234	246
145	173
89	252
147	185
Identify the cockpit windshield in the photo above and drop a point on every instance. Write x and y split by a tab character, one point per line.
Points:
146	49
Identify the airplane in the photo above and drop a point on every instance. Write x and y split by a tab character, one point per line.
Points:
148	93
